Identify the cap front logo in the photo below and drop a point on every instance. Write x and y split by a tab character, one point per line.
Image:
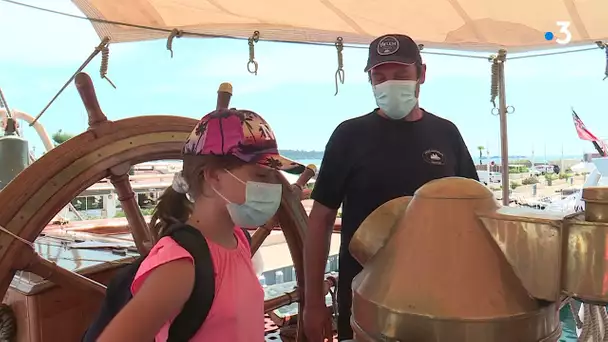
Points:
388	46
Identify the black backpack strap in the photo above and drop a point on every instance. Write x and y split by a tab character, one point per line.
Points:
198	305
247	235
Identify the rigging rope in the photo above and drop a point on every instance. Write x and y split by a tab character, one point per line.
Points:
593	325
604	46
17	237
577	319
99	48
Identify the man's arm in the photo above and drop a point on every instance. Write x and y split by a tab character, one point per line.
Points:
316	250
328	194
465	165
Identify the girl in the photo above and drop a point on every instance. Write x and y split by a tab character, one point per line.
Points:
228	181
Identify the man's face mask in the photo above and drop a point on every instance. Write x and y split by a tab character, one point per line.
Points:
396	98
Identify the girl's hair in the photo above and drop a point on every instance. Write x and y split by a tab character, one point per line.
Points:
173	207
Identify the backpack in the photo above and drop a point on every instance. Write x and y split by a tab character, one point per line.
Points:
195	310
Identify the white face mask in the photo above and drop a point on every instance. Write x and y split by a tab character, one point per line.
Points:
262	200
396	98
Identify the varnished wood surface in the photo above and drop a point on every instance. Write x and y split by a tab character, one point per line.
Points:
56	315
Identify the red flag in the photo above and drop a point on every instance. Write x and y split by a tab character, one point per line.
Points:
585	134
581	130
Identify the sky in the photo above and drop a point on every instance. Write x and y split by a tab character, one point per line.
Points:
294	88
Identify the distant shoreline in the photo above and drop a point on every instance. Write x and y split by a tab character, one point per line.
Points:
302	155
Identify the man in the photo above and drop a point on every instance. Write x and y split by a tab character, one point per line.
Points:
370	160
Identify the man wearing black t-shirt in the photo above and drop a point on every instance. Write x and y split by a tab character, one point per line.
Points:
370	160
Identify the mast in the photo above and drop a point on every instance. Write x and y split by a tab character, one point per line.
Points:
561	167
488	159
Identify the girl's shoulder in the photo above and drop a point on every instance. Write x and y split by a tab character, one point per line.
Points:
164	251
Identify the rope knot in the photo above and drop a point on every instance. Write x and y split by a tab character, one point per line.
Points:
175	33
105	58
339	76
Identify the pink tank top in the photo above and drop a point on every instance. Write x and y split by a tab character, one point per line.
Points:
237	313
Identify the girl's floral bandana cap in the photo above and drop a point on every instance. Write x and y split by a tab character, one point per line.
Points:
241	133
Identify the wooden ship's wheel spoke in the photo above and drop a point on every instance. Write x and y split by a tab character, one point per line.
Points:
260	235
107	149
31	261
119	176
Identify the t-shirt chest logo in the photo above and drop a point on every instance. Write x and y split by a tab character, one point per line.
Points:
433	157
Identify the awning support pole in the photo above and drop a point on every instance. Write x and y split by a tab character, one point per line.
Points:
498	85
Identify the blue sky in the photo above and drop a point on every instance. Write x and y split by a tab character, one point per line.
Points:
294	88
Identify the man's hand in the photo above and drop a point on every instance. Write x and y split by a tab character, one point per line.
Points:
318	323
316	248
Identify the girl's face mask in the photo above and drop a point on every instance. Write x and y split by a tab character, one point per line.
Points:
262	200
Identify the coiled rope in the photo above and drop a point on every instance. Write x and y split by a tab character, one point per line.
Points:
103	69
593	324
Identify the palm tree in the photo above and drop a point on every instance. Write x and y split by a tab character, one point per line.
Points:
60	137
480	148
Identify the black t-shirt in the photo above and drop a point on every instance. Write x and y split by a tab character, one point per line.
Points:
370	160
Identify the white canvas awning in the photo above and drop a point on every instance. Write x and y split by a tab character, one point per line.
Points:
473	25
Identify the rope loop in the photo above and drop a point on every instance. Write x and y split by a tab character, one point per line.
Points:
252	65
339	76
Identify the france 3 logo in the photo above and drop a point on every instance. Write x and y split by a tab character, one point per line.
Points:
565	36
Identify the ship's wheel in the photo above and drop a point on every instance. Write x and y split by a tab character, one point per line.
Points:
108	149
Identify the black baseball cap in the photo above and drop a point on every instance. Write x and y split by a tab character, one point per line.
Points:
393	48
